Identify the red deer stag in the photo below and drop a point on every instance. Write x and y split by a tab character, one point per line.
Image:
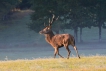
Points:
58	40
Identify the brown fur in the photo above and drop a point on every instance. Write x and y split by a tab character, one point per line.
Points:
59	40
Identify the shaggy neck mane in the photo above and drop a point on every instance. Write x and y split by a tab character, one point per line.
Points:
49	36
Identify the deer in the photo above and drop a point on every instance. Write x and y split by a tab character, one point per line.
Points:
58	40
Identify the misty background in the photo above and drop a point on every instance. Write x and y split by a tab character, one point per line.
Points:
21	20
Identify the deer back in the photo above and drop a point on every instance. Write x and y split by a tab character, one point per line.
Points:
60	40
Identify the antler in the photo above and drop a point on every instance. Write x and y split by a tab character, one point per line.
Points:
53	19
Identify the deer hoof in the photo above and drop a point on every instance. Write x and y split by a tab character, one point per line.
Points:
79	57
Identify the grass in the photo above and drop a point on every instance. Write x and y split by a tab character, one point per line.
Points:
91	63
18	32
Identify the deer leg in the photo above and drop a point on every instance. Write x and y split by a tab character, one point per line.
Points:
76	51
57	52
68	52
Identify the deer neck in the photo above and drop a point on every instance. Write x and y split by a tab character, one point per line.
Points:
49	36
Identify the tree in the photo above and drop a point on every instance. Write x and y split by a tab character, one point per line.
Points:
45	8
6	6
99	15
68	9
80	13
79	16
24	4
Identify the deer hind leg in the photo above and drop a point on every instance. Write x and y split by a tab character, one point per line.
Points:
76	51
57	52
68	52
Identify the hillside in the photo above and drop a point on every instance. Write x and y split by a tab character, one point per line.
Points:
17	33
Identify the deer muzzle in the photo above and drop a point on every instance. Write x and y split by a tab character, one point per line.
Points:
40	32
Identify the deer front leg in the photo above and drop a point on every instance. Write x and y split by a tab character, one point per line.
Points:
57	52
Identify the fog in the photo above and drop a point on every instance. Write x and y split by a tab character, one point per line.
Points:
46	51
18	42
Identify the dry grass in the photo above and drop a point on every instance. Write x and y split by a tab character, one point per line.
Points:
92	63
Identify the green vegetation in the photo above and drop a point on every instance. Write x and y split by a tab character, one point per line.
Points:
73	14
92	63
6	6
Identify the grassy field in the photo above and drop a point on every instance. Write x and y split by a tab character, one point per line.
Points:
17	34
90	63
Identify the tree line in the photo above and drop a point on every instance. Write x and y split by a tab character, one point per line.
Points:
73	14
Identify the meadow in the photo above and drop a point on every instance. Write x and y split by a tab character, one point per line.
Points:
90	63
19	50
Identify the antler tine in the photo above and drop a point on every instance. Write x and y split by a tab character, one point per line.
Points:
53	16
53	19
49	20
57	18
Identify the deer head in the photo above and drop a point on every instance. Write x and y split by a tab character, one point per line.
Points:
47	29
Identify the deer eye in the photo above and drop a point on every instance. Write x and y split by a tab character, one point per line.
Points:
48	28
